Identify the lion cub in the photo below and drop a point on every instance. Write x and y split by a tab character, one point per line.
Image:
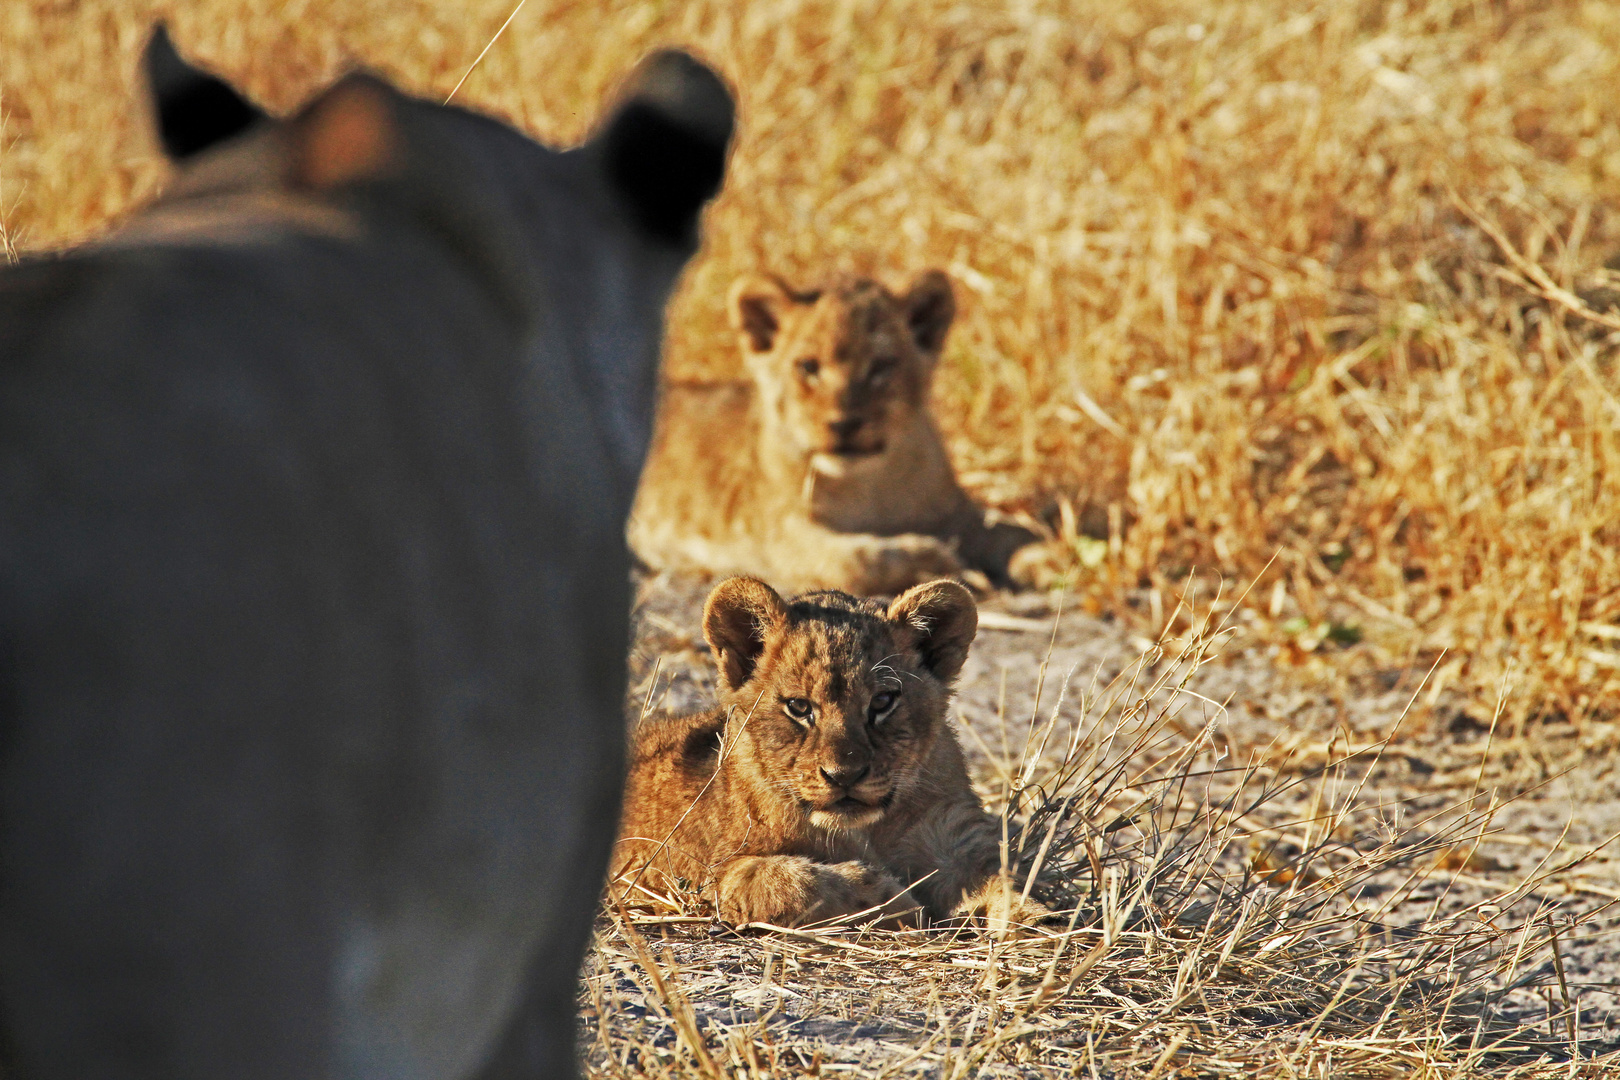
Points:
825	470
828	781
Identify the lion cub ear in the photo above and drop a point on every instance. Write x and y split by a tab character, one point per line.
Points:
942	618
930	306
347	135
757	306
742	613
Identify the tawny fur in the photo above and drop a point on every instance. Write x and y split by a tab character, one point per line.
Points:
825	470
861	805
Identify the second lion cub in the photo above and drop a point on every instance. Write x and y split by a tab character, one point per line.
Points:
824	470
828	781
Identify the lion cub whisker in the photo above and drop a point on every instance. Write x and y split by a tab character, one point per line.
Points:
848	802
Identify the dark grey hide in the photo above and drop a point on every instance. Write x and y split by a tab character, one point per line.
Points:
313	585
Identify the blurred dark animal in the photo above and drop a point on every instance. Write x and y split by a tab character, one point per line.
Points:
313	585
824	469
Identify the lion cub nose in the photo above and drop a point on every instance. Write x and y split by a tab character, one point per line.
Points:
845	776
843	429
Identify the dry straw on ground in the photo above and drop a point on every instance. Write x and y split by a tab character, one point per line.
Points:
1244	279
1239	278
1205	929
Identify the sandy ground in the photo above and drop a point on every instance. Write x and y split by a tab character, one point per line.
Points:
1558	788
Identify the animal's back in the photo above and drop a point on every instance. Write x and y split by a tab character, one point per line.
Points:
313	598
273	568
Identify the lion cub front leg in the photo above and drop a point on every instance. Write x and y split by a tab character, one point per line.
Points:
790	890
962	845
871	565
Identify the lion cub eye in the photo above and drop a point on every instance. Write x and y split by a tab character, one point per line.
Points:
882	704
798	708
881	369
809	369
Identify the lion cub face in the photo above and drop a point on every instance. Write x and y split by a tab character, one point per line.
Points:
836	702
843	370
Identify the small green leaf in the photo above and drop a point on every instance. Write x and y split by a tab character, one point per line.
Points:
1092	552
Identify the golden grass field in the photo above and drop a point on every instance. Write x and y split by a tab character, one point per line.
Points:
1310	296
1325	282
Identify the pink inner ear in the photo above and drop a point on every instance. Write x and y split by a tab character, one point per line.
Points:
347	137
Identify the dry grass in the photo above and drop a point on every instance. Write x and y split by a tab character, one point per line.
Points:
1213	921
1240	280
1326	281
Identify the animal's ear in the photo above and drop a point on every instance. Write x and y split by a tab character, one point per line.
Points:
942	618
195	110
347	135
664	146
757	306
930	306
741	615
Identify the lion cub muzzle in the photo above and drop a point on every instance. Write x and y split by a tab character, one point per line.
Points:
851	444
851	430
844	793
853	437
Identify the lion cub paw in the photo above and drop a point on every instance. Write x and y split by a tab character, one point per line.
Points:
789	890
892	564
1041	565
1001	909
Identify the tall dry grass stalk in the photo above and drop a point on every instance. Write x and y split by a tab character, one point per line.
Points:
1239	278
1210	920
